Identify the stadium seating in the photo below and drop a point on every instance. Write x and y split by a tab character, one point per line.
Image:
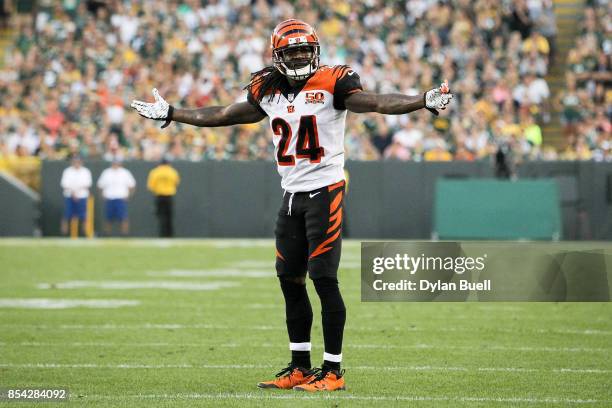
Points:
70	73
586	102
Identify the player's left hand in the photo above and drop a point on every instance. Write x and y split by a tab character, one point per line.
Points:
438	98
159	110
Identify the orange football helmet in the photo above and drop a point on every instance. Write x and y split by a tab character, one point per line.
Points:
294	34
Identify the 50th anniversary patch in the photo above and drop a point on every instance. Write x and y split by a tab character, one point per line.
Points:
473	271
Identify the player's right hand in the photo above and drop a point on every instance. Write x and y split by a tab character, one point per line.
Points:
159	110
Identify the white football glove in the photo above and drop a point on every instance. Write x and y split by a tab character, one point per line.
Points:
438	98
160	110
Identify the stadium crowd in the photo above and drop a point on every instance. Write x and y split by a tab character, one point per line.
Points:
586	102
75	66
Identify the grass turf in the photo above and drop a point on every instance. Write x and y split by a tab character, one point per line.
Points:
189	348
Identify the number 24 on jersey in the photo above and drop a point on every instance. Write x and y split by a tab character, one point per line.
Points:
307	146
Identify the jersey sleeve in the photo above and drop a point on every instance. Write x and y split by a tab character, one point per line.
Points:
347	84
252	97
253	101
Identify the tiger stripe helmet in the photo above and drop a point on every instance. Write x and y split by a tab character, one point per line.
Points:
290	34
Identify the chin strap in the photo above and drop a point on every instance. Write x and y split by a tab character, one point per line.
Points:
169	117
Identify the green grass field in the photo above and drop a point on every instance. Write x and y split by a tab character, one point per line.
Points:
199	323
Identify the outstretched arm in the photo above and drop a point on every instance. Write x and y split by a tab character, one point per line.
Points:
390	104
397	104
213	116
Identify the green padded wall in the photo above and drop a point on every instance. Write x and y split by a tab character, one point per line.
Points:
494	209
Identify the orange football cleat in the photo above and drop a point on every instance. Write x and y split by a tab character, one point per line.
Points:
288	378
331	380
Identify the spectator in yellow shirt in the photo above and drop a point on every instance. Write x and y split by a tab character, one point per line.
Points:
438	153
162	182
536	41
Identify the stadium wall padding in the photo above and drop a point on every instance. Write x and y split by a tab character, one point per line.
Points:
526	209
19	209
393	200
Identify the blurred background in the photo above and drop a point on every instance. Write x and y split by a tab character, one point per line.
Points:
533	101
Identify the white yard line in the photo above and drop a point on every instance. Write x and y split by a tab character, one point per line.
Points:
262	366
134	366
350	397
349	261
282	346
44	303
123	285
216	273
254	263
176	326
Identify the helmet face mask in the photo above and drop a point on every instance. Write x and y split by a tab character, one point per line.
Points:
297	57
298	62
295	49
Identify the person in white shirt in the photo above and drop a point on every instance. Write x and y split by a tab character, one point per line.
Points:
76	181
530	90
116	185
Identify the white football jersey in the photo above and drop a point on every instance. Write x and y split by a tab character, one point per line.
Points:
308	127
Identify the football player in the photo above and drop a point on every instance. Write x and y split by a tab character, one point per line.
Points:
306	104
